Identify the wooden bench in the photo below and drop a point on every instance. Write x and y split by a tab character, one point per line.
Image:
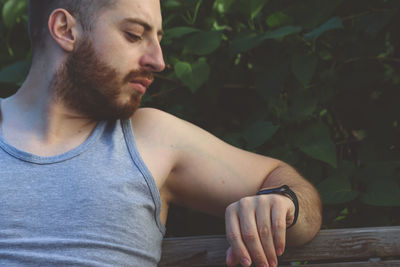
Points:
377	246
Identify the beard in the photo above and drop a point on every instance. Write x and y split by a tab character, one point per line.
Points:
87	85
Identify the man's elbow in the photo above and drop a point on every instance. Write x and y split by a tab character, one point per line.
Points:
304	232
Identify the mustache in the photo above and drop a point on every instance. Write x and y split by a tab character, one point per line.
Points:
144	74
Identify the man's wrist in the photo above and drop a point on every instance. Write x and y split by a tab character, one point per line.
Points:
285	191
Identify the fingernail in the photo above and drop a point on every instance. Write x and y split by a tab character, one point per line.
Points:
272	263
245	262
279	252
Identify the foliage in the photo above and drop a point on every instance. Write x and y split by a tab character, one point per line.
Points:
312	82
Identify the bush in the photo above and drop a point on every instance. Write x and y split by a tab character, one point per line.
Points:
313	82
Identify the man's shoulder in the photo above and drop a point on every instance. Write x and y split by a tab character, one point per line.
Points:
148	112
152	124
157	126
152	119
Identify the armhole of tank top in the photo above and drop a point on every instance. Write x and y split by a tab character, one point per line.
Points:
138	161
1	115
1	112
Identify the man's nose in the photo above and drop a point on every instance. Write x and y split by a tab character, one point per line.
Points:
153	59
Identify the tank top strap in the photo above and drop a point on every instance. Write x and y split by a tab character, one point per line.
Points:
138	160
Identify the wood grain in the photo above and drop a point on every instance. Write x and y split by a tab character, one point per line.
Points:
395	263
353	244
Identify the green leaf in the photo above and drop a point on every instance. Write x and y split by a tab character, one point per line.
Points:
382	192
244	42
193	75
277	19
303	67
378	148
270	81
204	43
12	10
281	32
285	153
15	73
310	13
222	6
332	24
302	106
250	40
258	133
316	142
178	32
383	170
182	69
235	139
255	7
373	23
336	191
171	4
248	8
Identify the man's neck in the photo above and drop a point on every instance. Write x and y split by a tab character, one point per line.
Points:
33	121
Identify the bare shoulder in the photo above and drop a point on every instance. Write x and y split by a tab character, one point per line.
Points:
144	116
157	124
155	128
152	119
156	141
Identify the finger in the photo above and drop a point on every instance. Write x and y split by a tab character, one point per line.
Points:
248	227
231	259
238	248
279	227
283	216
263	217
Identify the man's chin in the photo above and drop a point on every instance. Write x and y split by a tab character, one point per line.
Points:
129	100
114	112
126	109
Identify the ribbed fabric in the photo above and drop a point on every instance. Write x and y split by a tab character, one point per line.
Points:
96	205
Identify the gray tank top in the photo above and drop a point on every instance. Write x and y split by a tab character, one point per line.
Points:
96	205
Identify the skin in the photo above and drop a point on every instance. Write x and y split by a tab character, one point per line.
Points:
190	166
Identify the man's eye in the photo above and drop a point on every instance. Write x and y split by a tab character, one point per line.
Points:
133	37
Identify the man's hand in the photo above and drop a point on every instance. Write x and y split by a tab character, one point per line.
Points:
256	229
204	173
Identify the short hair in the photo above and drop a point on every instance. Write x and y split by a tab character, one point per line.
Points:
85	11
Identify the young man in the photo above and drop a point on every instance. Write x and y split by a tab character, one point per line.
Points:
78	188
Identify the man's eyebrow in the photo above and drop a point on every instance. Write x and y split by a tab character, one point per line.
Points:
143	23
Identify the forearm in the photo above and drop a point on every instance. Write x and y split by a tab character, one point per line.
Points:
310	207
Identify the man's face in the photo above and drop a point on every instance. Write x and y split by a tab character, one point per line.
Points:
111	67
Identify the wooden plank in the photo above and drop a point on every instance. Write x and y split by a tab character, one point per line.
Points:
340	244
394	263
209	250
352	243
343	264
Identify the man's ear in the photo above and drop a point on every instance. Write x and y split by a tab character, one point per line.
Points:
64	29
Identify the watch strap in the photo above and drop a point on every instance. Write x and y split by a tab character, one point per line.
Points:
285	191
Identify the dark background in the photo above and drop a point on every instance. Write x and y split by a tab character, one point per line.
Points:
315	83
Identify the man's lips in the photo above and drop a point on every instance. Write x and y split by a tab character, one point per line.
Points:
142	84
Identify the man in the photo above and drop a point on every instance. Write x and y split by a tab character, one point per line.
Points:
86	177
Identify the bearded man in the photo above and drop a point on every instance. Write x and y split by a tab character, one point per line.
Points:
87	177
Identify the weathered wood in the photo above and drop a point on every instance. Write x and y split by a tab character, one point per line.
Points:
336	264
354	244
394	263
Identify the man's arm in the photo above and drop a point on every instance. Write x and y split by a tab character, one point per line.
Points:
212	176
310	206
273	214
